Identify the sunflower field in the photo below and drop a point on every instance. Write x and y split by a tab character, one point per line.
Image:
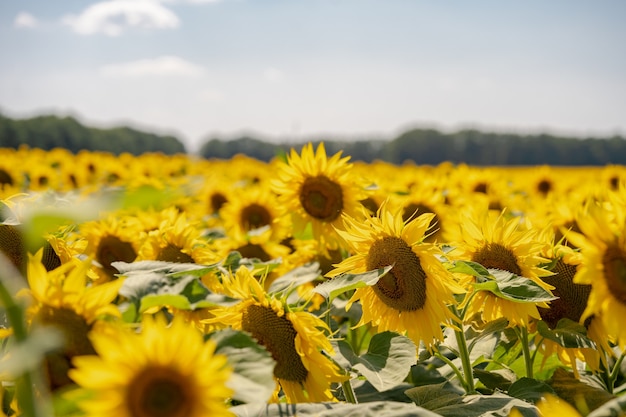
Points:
312	285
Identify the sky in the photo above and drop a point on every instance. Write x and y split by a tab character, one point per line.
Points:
284	70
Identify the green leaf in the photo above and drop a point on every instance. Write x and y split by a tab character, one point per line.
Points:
145	197
347	282
574	391
296	277
499	379
150	289
253	366
470	268
487	405
567	333
172	269
368	409
529	389
435	396
388	360
514	288
613	408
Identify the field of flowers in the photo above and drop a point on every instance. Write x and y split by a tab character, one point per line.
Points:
173	286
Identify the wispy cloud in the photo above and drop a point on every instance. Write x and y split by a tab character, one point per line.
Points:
113	17
161	66
25	20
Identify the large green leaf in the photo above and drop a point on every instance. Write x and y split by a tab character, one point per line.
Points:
613	408
529	389
172	269
296	277
150	289
574	391
487	405
567	333
346	282
435	396
387	361
253	366
369	409
514	288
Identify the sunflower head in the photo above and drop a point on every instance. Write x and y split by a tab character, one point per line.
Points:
295	339
167	370
317	190
413	297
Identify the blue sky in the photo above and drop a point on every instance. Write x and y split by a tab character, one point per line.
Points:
292	69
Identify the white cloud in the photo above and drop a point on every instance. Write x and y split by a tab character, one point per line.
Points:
161	66
273	74
113	17
25	20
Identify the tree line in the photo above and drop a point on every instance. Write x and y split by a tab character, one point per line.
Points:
429	146
48	132
420	146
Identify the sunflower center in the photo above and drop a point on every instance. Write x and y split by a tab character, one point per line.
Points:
614	261
252	251
572	298
12	245
74	329
412	210
255	216
112	249
496	256
5	178
278	336
321	198
370	204
172	253
50	259
159	391
217	200
404	287
480	187
544	186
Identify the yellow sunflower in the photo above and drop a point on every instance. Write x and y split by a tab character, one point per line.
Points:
62	298
166	371
570	304
114	238
317	190
177	239
505	244
295	339
602	244
252	210
414	296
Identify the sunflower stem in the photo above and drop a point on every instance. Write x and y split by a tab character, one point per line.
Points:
465	360
454	368
348	392
522	333
614	373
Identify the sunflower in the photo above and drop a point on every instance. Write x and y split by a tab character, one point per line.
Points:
317	190
570	304
63	299
166	371
114	238
505	244
177	240
295	339
255	208
602	244
413	297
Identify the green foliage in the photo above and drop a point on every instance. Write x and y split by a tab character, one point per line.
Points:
49	132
